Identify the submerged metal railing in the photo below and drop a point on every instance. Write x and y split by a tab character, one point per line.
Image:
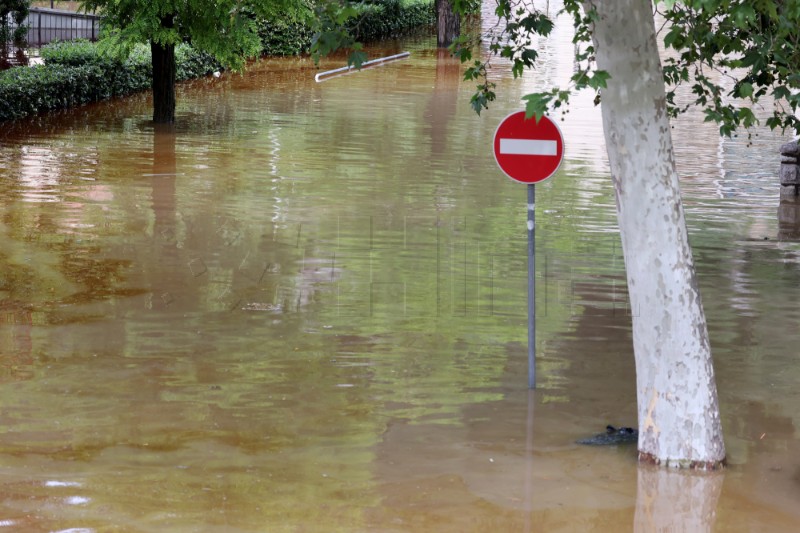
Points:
46	25
328	74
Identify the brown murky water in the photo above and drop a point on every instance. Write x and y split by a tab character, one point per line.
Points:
303	309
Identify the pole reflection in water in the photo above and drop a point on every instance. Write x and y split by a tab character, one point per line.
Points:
529	493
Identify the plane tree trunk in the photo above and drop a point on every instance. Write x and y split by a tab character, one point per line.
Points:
678	409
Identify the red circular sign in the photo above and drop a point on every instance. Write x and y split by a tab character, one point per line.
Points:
527	151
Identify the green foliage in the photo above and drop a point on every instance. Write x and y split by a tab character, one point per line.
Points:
284	37
192	63
513	40
77	73
75	53
754	44
485	93
332	21
390	18
29	90
344	25
225	29
16	10
120	76
189	62
364	22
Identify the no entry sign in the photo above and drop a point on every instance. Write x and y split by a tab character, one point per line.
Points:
527	151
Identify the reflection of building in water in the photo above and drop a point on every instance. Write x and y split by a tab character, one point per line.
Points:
39	174
750	164
741	166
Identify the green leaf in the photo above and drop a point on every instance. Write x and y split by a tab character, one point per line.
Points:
536	104
356	58
780	92
598	80
745	90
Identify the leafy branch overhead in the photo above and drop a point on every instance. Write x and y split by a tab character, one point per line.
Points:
226	29
742	50
731	53
514	39
332	32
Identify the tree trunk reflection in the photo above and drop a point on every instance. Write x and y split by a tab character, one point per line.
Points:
669	500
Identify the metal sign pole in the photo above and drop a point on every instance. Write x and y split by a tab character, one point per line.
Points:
531	286
529	151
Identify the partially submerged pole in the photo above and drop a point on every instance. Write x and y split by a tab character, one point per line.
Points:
328	74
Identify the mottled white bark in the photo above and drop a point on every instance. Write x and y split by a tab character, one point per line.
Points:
679	422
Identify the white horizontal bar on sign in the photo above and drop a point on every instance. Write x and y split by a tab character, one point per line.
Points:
528	147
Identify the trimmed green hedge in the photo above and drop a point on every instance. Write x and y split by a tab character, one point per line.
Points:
382	19
282	38
189	62
28	90
76	73
387	19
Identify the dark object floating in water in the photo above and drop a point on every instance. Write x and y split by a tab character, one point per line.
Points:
612	437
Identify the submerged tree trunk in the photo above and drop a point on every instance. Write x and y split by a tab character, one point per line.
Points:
163	79
448	23
679	423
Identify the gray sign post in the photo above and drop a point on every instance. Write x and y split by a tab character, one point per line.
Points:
529	151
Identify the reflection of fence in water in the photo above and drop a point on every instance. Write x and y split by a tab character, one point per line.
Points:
47	25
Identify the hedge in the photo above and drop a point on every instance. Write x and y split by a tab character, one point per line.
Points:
284	38
76	73
189	62
392	18
382	19
28	90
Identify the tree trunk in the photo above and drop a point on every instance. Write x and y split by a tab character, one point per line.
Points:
448	23
163	79
679	422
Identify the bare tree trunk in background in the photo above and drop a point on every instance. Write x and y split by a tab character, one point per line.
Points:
448	23
164	78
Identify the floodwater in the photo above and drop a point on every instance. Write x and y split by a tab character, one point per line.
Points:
303	309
